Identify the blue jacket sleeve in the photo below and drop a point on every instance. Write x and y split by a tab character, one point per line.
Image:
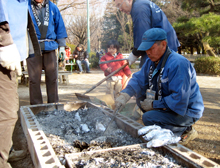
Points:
3	12
60	29
15	13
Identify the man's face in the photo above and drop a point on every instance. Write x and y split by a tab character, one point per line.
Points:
39	1
124	5
156	51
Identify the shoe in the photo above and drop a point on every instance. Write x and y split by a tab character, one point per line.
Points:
16	155
79	72
188	135
89	72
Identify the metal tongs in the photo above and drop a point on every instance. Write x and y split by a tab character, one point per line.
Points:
116	111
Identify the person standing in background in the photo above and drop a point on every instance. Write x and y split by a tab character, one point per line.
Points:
51	33
146	15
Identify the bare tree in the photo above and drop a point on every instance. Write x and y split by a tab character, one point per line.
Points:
76	4
77	30
126	26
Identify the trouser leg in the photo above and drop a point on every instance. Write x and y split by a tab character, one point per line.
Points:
50	67
110	87
8	112
169	120
118	88
34	65
79	65
86	63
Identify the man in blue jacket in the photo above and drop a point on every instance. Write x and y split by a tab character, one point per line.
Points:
145	15
51	35
165	88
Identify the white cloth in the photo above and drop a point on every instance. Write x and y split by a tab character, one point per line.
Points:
10	58
147	129
157	136
116	78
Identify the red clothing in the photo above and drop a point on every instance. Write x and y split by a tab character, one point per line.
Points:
68	52
114	65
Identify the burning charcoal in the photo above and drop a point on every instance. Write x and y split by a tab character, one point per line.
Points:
99	140
81	145
77	144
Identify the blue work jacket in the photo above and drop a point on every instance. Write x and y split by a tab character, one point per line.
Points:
56	28
180	91
146	15
15	13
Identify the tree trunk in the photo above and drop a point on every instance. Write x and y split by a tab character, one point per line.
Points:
179	50
191	50
198	49
208	49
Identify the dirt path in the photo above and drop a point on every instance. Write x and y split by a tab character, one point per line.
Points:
208	127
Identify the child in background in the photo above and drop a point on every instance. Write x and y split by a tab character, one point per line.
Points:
114	83
68	53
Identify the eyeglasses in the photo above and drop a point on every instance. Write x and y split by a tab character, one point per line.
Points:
119	5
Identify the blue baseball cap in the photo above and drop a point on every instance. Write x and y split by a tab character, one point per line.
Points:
150	37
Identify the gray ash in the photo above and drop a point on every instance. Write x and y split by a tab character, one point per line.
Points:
82	130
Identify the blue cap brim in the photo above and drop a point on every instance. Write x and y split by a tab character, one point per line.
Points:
145	46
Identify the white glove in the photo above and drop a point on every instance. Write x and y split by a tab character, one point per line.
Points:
121	100
10	58
132	58
147	104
